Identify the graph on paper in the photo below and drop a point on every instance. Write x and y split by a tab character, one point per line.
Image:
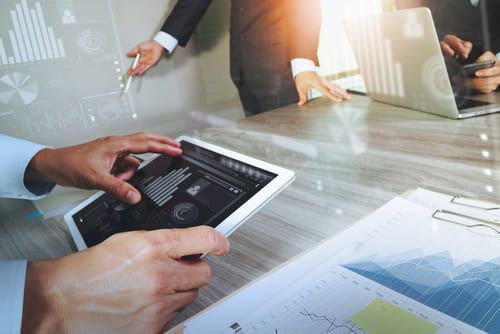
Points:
376	278
468	291
61	68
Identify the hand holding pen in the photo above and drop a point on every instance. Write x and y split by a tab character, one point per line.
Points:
150	54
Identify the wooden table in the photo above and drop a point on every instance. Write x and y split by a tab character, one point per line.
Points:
349	159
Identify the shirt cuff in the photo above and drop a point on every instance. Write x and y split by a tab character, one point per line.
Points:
13	275
17	155
300	65
168	41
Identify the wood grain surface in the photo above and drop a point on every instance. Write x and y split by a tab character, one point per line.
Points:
349	159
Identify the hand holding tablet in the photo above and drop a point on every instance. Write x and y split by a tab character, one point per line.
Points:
135	282
206	185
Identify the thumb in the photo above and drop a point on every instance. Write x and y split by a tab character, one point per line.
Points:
488	55
120	189
133	53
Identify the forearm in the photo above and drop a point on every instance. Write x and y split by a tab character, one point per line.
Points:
37	168
40	315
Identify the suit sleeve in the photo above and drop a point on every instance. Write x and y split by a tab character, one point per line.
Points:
184	18
304	27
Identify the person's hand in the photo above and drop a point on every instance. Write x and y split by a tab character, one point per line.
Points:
486	80
131	283
306	80
452	46
104	164
151	53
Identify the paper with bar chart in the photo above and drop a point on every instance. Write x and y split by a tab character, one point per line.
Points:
396	271
61	67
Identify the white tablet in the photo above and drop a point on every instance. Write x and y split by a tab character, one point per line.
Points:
207	185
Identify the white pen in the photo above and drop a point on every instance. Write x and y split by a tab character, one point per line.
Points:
134	65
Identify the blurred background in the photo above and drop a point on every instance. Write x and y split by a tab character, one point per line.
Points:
63	84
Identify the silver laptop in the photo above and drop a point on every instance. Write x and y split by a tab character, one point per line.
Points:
400	59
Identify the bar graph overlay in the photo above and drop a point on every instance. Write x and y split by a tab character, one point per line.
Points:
161	189
30	39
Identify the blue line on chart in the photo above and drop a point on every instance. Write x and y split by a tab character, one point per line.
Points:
333	326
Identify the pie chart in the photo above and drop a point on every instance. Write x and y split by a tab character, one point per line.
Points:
18	89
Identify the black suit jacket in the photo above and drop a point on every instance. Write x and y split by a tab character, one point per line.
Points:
461	18
265	36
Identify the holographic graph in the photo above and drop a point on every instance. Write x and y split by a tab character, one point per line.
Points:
18	89
30	38
61	69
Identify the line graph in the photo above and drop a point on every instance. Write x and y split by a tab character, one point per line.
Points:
342	302
453	278
333	326
376	278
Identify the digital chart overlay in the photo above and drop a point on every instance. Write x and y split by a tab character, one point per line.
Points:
18	89
30	38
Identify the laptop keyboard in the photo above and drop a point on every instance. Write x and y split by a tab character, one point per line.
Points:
465	103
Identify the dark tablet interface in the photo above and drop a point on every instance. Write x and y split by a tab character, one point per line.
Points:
200	188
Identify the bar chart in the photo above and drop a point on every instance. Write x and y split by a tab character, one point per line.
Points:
161	189
30	39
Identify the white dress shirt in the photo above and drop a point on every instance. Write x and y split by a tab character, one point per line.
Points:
299	65
16	156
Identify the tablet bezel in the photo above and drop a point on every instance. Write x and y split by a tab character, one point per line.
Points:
283	178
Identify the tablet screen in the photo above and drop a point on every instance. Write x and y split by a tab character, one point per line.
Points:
201	187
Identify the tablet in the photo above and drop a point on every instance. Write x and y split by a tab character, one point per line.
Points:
207	185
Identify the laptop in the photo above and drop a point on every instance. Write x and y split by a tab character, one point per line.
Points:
400	59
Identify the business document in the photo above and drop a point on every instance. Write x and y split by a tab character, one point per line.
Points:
399	270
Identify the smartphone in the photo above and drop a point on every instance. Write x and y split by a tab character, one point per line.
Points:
471	69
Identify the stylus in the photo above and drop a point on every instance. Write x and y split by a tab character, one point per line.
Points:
134	65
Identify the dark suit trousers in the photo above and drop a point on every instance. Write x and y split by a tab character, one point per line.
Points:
254	104
260	54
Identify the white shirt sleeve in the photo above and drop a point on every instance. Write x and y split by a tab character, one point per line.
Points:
12	295
300	65
168	41
17	154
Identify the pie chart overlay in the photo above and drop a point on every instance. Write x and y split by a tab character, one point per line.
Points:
18	89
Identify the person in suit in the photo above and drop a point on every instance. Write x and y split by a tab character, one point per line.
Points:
131	283
470	32
274	46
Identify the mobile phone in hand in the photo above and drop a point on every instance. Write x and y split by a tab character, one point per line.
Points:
471	69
